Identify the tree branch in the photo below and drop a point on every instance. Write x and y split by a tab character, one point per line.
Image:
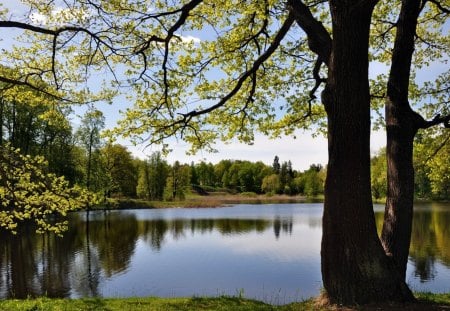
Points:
319	40
55	33
31	86
436	151
250	73
424	124
258	62
440	7
25	26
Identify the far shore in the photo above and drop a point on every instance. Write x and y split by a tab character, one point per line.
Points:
217	199
214	199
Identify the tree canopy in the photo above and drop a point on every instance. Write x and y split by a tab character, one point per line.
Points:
255	63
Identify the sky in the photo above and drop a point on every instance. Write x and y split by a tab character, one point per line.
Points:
302	151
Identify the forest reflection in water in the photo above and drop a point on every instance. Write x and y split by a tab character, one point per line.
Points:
261	249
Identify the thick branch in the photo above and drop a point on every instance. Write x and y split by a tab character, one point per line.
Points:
31	86
319	40
25	26
399	76
424	124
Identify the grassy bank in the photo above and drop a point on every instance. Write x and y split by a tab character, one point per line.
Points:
215	199
426	302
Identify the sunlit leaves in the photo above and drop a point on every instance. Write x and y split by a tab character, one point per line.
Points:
199	74
180	62
432	158
29	193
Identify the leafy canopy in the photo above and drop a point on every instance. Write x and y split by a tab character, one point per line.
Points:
248	61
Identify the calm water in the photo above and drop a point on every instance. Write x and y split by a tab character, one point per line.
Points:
269	252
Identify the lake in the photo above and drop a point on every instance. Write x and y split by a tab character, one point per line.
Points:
269	252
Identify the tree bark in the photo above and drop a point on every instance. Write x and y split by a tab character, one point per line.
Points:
355	268
402	124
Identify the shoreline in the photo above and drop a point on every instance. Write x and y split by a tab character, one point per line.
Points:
219	199
211	200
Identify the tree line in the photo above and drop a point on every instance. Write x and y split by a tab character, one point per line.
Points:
84	158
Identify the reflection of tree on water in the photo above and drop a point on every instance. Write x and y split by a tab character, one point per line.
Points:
423	248
36	265
155	231
284	225
115	239
429	241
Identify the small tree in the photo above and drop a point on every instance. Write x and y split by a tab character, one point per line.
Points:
152	178
89	135
177	182
271	184
122	174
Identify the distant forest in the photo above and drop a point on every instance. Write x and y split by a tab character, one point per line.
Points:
84	158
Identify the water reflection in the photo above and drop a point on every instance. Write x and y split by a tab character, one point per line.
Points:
99	246
186	252
430	239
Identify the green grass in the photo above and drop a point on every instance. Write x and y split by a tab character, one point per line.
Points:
137	304
427	301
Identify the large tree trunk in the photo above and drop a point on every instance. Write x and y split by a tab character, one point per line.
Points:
401	127
355	268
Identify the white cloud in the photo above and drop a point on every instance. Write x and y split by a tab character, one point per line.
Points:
190	39
59	16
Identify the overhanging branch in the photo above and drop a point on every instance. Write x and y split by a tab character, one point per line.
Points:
438	119
258	62
185	118
55	33
319	41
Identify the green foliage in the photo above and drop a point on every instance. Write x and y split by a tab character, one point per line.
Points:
312	181
431	161
152	177
177	182
205	174
120	170
379	174
431	158
29	193
271	184
39	126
